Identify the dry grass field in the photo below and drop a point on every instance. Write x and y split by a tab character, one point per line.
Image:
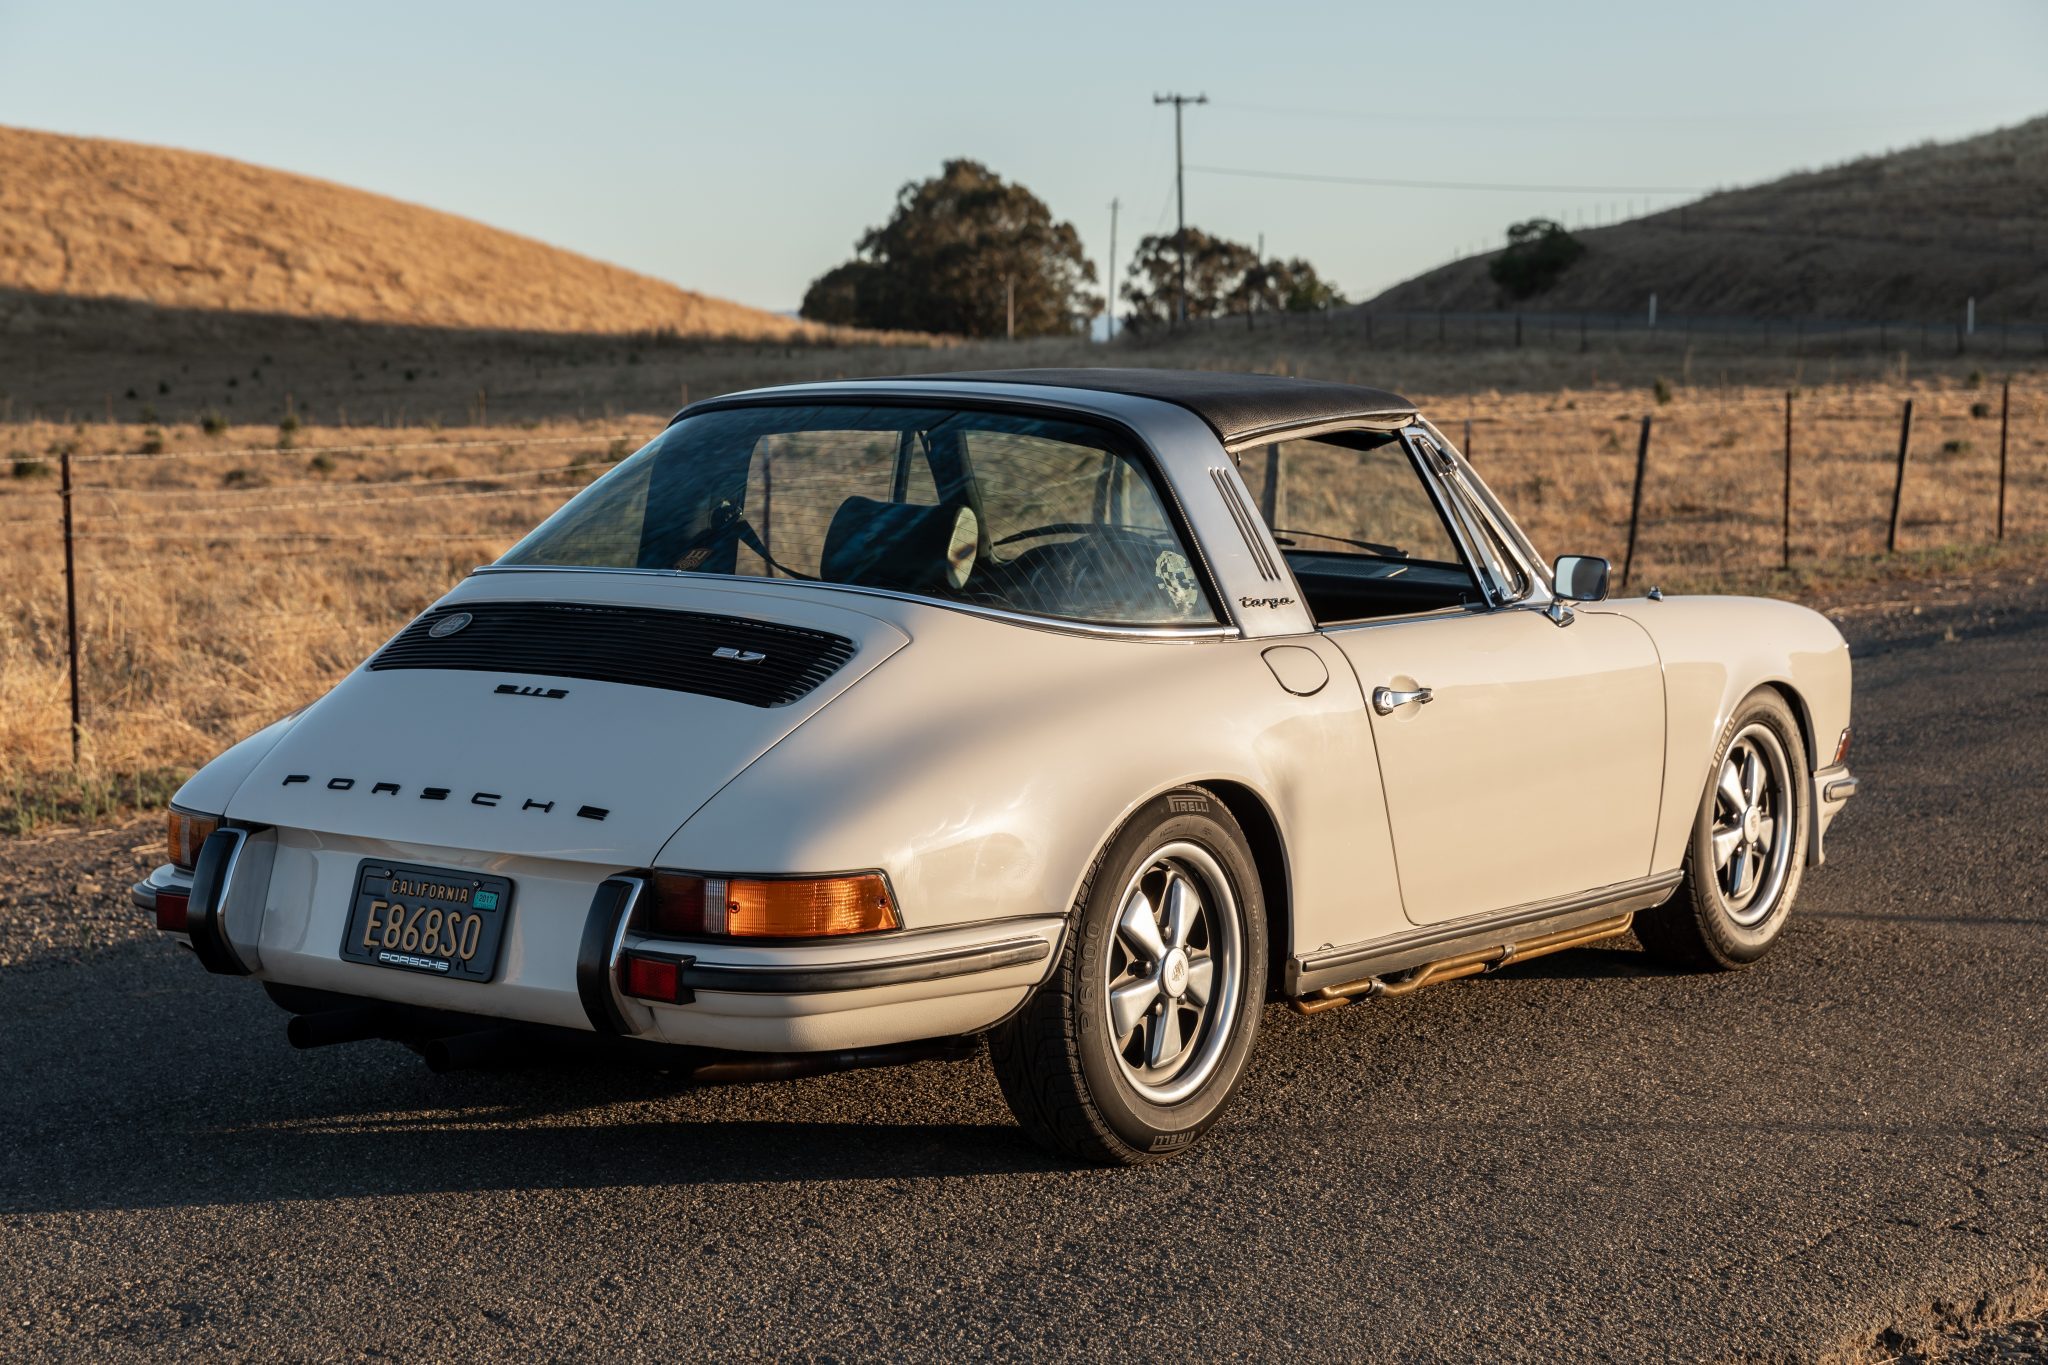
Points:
88	218
228	577
1908	234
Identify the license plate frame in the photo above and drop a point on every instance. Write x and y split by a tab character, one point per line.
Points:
453	919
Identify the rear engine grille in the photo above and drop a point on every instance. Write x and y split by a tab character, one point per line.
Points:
755	662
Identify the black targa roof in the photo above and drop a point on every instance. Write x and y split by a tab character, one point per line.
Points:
1238	406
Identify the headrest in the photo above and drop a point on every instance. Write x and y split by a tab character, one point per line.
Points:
899	545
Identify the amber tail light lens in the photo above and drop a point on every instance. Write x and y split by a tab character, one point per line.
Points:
691	906
1842	749
188	830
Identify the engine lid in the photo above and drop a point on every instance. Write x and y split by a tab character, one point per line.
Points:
623	709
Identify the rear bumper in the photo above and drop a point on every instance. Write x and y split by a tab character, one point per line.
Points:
165	878
283	906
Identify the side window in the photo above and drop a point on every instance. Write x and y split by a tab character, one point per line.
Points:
1359	526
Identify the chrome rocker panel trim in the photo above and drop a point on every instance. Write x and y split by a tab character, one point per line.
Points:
1430	942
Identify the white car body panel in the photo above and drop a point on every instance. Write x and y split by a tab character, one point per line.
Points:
982	761
1535	769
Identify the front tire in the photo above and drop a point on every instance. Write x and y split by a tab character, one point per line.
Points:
1134	1045
1748	845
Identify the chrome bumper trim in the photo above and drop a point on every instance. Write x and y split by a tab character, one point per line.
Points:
814	978
165	878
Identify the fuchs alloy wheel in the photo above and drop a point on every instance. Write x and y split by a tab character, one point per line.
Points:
1748	845
1133	1046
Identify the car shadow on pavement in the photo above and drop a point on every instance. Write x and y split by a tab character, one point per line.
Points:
1583	964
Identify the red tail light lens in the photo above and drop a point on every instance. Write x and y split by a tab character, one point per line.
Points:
688	906
652	978
172	911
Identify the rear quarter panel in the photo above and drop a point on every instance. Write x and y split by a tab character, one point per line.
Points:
985	765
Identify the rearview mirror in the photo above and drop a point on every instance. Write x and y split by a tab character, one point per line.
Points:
1582	578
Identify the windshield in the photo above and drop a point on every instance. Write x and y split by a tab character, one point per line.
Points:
992	509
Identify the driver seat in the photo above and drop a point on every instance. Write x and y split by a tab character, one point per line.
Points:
901	546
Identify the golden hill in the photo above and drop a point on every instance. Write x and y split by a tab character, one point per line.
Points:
1908	235
89	218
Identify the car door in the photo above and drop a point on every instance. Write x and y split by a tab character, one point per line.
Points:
1534	768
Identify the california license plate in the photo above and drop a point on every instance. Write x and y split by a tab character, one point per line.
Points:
427	919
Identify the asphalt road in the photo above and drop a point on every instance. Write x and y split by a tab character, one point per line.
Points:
1579	1157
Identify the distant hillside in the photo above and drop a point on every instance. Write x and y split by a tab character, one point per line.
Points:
1906	235
94	219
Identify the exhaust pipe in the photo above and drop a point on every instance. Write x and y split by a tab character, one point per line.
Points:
350	1024
1463	965
460	1051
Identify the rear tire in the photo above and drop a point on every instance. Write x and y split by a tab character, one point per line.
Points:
1134	1045
1748	845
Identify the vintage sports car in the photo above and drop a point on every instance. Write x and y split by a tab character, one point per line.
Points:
1086	710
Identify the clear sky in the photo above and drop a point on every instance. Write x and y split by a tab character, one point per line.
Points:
740	148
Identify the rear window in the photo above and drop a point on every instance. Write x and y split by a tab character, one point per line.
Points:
981	508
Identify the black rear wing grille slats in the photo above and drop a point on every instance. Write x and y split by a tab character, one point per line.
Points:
758	663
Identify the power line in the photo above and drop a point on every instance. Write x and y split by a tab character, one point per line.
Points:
1396	184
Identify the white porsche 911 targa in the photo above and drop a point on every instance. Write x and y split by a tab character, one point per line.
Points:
1087	710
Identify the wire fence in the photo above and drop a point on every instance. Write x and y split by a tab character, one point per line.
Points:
1498	329
1756	494
168	519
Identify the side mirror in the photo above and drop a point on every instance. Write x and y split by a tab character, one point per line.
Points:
1582	578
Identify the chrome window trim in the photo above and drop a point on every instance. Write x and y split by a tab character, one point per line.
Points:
1051	623
1449	509
1474	520
1370	623
1489	505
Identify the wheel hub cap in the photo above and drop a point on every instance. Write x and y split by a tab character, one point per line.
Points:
1753	833
1173	973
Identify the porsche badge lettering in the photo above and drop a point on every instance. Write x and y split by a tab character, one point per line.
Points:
515	690
481	798
738	656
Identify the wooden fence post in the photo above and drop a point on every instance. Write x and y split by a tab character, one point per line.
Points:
1635	504
1269	494
1786	561
2004	424
70	600
1891	542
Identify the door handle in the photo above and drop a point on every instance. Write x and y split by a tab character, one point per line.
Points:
1386	700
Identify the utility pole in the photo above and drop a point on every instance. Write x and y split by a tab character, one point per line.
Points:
1114	205
1180	191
